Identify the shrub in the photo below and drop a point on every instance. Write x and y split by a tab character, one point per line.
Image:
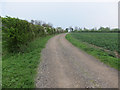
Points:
18	33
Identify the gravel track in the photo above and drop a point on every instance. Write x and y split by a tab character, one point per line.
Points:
65	66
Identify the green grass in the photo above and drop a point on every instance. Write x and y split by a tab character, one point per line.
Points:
98	53
0	59
19	70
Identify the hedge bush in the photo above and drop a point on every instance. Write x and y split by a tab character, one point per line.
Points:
18	33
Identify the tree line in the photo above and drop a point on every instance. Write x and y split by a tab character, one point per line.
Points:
101	29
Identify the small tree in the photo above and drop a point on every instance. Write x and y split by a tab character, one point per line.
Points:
66	29
32	21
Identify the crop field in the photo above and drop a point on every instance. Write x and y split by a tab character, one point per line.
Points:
107	41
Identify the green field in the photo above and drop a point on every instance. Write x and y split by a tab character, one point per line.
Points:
104	40
19	69
107	41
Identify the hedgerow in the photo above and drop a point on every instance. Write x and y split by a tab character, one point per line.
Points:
18	33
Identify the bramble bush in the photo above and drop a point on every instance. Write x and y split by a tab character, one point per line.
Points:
18	33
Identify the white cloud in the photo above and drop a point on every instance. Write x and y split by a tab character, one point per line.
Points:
59	0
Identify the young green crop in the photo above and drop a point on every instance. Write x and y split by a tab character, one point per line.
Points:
107	41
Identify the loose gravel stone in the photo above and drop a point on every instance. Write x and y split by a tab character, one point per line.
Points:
65	66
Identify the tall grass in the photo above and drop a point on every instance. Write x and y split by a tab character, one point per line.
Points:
19	69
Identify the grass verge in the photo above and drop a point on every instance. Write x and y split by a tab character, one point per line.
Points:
19	70
98	53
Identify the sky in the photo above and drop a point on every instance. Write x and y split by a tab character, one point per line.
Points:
80	13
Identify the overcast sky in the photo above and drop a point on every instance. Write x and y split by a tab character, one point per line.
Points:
64	14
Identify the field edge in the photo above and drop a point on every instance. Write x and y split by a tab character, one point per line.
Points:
97	53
